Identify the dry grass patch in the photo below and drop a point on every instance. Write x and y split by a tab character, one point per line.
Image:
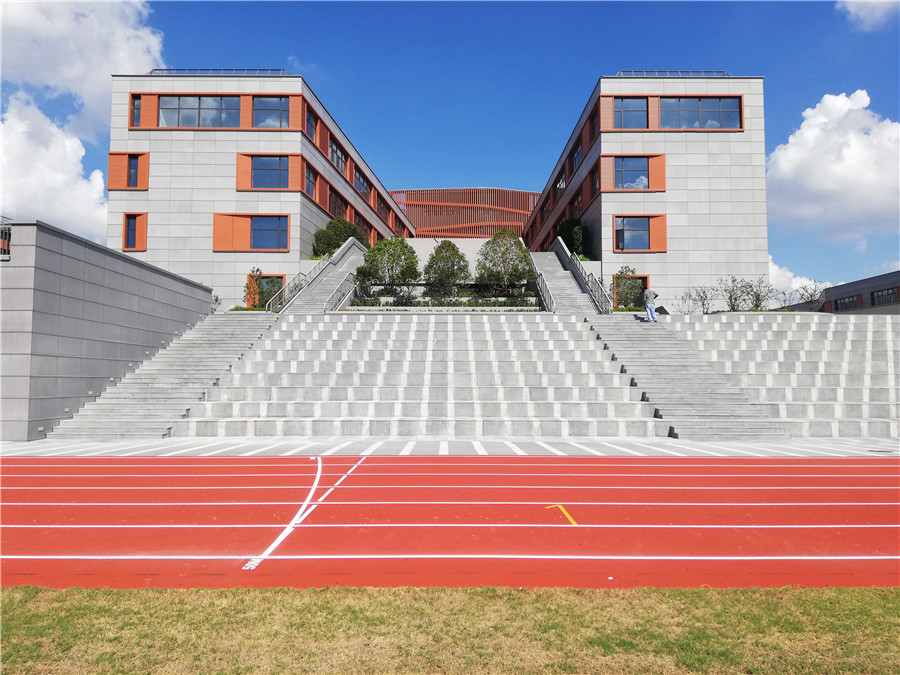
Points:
437	630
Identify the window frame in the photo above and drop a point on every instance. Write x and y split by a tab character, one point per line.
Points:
180	108
134	223
282	171
359	177
619	112
311	120
284	112
283	232
884	296
134	114
682	110
656	233
846	304
335	149
335	199
620	171
310	176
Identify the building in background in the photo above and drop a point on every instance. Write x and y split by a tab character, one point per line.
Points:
665	170
465	212
215	172
872	295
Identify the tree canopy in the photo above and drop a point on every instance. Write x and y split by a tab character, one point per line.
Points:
331	237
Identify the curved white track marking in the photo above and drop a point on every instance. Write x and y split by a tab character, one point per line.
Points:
254	562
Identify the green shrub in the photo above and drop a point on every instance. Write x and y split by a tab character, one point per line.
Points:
391	263
331	237
446	269
503	263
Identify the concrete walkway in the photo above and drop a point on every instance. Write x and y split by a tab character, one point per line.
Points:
424	446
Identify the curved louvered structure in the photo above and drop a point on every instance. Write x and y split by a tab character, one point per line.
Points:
465	212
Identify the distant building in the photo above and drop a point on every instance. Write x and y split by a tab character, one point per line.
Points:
465	212
874	295
666	170
215	172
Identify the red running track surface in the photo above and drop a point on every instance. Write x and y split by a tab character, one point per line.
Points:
449	521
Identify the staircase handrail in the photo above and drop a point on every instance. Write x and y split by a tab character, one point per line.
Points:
597	293
339	295
542	288
300	281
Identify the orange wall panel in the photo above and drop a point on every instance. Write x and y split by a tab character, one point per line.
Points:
658	173
246	111
295	113
117	174
243	172
149	111
658	233
223	232
607	173
653	112
295	173
607	119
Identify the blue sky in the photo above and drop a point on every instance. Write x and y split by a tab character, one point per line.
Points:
486	94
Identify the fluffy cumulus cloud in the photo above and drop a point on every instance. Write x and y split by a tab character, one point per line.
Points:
43	178
57	61
786	283
839	173
59	48
869	14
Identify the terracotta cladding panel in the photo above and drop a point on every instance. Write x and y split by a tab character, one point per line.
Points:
653	112
607	173
246	111
607	119
295	173
149	111
295	113
244	171
117	174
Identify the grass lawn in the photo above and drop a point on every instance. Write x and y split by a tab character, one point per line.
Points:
438	630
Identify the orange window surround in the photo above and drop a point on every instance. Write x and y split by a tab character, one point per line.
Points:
656	169
658	233
231	232
117	174
149	111
140	233
244	172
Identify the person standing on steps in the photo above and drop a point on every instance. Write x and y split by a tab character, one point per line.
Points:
650	303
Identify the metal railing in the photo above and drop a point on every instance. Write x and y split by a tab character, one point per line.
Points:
5	243
339	295
597	292
289	291
542	288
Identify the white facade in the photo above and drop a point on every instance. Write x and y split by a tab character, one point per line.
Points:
193	175
713	194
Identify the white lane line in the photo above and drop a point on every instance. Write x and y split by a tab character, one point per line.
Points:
608	526
254	562
515	448
891	476
444	448
463	486
457	556
586	448
339	446
408	448
368	451
455	503
658	448
479	448
550	448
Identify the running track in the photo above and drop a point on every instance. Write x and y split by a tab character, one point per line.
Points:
449	521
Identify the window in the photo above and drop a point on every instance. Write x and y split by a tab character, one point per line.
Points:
845	304
337	205
575	158
595	181
545	211
268	232
134	232
632	173
594	126
311	179
575	206
363	186
130	230
886	297
312	125
271	112
560	186
362	224
133	170
136	110
633	233
630	113
382	208
700	113
200	111
269	172
337	155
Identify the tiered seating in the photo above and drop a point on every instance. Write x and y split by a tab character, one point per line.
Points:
450	375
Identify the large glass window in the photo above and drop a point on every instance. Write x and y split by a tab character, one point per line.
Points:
632	233
630	113
700	113
594	124
269	172
200	111
312	178
312	125
337	155
595	181
382	208
632	173
362	185
560	186
575	158
888	296
845	304
268	232
337	205
271	112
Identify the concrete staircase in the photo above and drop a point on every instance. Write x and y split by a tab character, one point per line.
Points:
145	402
566	292
312	299
821	374
425	374
695	398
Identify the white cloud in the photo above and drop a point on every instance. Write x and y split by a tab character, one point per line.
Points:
868	15
56	48
42	175
839	173
785	281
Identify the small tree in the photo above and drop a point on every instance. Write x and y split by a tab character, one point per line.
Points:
575	236
331	237
446	269
785	297
735	292
503	263
627	288
759	293
812	294
260	289
685	303
393	264
705	297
